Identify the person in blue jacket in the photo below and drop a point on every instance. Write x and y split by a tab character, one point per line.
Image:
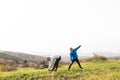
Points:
74	57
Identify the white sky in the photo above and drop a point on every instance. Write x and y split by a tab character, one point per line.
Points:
35	26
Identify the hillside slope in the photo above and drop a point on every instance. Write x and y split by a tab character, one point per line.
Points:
24	56
8	57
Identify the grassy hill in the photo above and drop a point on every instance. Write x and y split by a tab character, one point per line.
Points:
8	59
12	60
7	56
102	70
23	56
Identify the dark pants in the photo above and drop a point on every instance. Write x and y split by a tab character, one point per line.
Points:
56	64
73	62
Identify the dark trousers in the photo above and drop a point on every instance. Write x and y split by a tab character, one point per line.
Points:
56	64
73	62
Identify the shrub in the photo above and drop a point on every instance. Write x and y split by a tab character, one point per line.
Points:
95	58
1	67
44	64
7	68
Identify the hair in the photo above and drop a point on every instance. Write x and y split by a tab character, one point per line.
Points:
48	59
71	48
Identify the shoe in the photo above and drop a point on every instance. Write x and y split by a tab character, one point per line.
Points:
81	68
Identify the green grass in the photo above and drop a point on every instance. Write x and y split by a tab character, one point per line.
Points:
104	70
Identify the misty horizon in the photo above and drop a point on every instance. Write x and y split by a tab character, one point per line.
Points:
55	26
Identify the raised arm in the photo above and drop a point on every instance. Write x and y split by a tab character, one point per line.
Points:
77	48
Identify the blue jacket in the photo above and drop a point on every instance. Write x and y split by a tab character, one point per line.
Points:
73	53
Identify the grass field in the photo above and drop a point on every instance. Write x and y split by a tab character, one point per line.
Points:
103	70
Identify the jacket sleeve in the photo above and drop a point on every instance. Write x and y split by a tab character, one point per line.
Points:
71	58
50	63
77	48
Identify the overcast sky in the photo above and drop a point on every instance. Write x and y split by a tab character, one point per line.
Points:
36	26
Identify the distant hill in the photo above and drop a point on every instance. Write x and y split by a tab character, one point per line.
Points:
8	57
24	56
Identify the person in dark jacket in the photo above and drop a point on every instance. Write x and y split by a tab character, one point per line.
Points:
74	57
